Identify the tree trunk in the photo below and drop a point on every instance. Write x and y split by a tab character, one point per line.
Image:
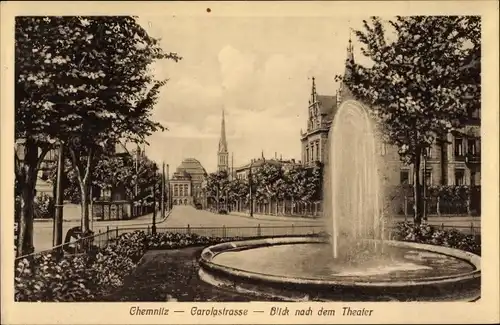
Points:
417	217
84	189
26	173
25	239
83	175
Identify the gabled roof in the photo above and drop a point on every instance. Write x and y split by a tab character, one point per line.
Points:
327	104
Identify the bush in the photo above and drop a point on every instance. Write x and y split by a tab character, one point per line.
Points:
44	206
427	234
90	276
78	277
171	240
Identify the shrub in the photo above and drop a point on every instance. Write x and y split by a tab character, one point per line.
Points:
89	276
427	234
78	277
170	240
44	206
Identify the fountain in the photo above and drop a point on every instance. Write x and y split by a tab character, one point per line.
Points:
357	262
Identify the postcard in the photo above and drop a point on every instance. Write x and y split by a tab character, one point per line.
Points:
250	162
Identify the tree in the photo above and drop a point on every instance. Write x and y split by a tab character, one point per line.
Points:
84	82
421	84
217	186
112	172
267	179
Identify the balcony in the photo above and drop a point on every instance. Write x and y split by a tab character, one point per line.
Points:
473	158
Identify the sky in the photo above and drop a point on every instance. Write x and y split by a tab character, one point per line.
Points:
258	69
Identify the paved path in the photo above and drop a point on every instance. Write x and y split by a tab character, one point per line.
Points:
42	232
180	216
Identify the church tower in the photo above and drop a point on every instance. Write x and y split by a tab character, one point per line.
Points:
344	92
222	154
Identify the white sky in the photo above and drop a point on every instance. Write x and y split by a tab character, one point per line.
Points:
258	68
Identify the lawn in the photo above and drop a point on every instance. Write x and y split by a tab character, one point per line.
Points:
166	274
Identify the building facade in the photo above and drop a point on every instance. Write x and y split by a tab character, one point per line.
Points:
320	114
186	185
455	160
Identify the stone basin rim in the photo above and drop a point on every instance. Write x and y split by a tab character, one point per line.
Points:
208	254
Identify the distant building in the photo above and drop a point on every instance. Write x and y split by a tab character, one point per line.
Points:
242	172
186	183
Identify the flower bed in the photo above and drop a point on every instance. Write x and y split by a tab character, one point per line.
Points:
91	276
428	234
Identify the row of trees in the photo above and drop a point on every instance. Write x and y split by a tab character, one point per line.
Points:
82	84
266	184
423	81
131	174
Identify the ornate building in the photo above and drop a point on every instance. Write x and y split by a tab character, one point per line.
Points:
186	183
455	161
223	154
320	115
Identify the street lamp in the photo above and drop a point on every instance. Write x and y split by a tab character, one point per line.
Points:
250	185
424	189
153	227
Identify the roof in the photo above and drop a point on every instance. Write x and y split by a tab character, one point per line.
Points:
259	162
191	166
327	104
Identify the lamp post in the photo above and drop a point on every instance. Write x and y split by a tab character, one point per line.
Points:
424	187
163	191
58	215
153	227
250	185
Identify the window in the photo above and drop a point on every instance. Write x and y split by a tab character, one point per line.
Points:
473	112
383	149
428	152
471	147
317	150
473	176
176	190
186	190
312	152
307	154
459	177
428	177
459	147
404	177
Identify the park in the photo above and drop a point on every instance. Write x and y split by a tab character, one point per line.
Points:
329	231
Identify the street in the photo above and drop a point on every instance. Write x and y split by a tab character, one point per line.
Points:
180	216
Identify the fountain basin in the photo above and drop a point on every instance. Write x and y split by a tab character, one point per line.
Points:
422	274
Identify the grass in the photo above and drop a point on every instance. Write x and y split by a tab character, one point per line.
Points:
166	274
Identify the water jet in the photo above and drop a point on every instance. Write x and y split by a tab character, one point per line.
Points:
357	261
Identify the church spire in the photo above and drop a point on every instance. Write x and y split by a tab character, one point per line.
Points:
344	91
222	154
222	140
313	92
350	56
